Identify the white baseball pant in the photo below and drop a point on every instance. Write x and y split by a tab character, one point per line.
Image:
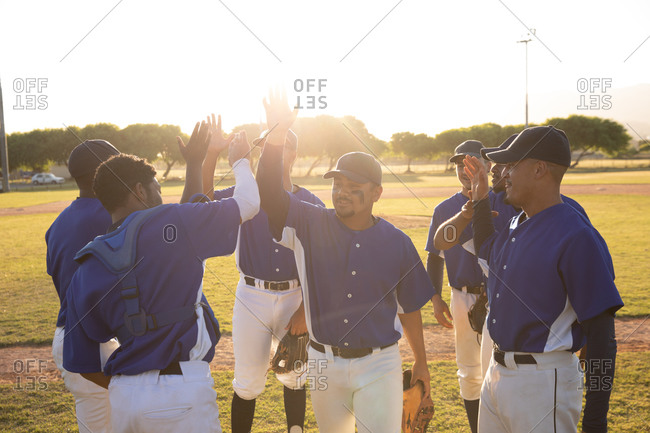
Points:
258	322
468	345
153	403
92	406
546	397
487	347
366	391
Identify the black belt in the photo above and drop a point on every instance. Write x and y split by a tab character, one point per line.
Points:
346	353
499	356
475	290
276	286
173	368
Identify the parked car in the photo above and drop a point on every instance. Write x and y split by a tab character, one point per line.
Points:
46	178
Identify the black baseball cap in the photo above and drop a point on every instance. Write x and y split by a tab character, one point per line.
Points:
469	147
291	142
358	167
502	146
545	143
87	156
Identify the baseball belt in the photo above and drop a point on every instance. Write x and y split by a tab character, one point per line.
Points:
474	290
173	368
347	353
499	356
274	286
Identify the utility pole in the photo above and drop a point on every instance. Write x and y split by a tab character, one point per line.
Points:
3	147
525	41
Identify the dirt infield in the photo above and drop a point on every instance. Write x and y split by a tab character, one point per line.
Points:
641	189
633	335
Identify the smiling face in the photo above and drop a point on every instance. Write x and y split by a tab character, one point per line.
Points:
352	199
519	179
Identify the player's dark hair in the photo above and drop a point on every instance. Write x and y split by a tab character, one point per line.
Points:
116	178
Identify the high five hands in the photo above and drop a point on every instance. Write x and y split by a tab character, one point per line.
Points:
475	170
279	117
195	150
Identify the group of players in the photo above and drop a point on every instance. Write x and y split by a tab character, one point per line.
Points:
135	333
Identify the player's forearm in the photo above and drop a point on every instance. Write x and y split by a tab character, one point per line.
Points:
193	182
98	378
209	165
435	269
449	232
482	223
246	193
412	325
274	199
599	371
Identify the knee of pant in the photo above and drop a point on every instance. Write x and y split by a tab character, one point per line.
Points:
292	380
248	391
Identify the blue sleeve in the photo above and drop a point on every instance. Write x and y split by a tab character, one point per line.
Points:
585	267
435	269
81	353
224	193
212	227
414	288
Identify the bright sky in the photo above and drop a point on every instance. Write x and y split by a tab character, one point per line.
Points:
425	66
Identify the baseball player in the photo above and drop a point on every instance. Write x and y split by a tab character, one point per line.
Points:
142	282
465	276
362	282
551	290
268	301
77	225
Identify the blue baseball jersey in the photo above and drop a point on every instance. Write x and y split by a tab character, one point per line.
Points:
354	282
463	268
77	225
547	274
258	255
171	249
575	205
506	211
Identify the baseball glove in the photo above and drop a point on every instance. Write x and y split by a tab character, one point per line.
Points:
291	353
416	412
477	313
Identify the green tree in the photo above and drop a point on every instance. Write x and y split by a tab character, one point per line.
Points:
589	134
412	146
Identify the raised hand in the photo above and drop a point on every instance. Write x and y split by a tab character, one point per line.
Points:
475	170
279	117
239	148
217	143
195	150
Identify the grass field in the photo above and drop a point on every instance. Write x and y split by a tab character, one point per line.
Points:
52	409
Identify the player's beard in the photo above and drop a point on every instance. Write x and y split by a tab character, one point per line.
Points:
344	214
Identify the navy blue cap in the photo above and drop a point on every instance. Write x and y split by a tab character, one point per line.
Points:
358	167
86	157
545	143
469	147
502	146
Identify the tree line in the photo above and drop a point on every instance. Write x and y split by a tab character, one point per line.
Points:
324	138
